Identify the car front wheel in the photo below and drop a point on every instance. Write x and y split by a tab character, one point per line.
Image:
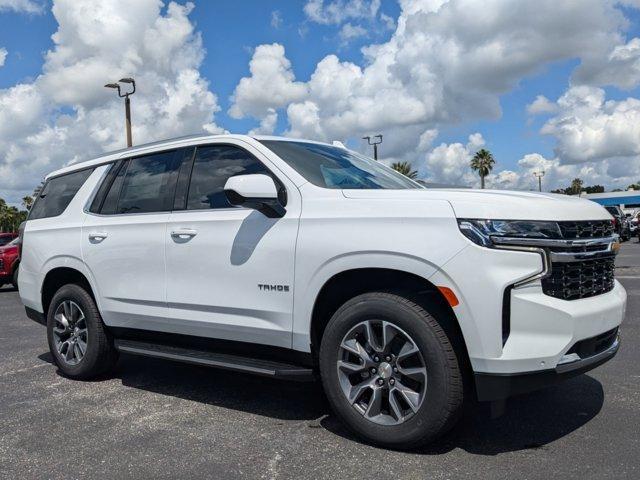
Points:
390	371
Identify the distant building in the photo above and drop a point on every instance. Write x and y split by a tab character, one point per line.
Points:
628	199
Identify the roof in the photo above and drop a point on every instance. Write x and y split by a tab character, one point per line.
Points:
116	154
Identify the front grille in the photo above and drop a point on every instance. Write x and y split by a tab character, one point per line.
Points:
586	229
580	279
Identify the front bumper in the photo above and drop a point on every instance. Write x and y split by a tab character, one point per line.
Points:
496	386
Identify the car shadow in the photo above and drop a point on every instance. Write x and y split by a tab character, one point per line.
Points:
529	422
8	288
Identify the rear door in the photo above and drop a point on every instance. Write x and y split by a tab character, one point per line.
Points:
230	270
123	238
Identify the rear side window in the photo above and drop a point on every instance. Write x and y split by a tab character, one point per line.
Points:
144	184
212	168
57	193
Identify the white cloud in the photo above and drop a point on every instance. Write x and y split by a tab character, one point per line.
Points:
449	163
23	6
3	56
276	19
588	128
267	124
271	84
66	114
541	105
446	63
620	67
338	11
350	32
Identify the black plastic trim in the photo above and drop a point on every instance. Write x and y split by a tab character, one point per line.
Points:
498	386
267	368
36	316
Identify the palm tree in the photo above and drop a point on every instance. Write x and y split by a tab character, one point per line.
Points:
405	169
482	162
27	202
576	186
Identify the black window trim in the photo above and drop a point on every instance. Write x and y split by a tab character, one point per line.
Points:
125	162
280	185
53	177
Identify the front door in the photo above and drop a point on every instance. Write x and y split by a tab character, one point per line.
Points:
230	270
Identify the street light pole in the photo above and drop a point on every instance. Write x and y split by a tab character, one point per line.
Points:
375	144
539	176
127	103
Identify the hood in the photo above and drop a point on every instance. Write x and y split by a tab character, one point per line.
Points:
498	204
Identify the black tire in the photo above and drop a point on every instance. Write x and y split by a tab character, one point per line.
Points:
14	278
100	355
443	399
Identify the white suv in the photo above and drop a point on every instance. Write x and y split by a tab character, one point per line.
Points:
291	258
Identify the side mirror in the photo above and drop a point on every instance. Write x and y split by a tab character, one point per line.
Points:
255	191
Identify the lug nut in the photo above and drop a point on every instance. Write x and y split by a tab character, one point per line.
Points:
380	381
391	381
373	370
376	358
388	358
395	369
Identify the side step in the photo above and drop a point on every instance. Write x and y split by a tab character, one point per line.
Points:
237	363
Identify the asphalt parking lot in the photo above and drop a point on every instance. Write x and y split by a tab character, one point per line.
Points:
157	419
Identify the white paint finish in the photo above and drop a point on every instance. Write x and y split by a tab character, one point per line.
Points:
204	279
128	265
252	186
543	328
336	235
499	204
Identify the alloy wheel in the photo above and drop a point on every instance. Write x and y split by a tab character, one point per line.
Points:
70	332
382	372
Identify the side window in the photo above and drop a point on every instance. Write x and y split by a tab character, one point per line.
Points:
212	167
58	193
144	184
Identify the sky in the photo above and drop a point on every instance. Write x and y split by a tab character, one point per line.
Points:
543	85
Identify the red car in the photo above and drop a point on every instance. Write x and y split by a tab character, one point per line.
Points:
7	237
9	262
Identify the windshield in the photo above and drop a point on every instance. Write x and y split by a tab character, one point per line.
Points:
335	167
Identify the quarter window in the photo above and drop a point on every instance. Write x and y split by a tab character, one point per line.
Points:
57	193
212	167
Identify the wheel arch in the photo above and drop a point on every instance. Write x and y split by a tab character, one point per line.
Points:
61	273
347	284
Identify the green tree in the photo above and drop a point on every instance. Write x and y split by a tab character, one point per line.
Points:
405	169
576	186
594	189
10	217
482	162
27	202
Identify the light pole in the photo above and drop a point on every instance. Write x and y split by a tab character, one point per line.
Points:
375	144
539	176
127	103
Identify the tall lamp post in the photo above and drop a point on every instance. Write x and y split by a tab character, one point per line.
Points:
127	103
375	144
539	176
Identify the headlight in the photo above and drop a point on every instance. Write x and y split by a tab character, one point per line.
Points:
482	231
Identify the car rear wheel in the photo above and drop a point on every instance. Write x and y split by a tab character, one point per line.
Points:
78	340
390	371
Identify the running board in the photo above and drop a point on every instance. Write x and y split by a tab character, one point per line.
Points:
236	363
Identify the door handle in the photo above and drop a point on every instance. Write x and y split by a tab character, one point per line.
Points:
184	233
97	236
